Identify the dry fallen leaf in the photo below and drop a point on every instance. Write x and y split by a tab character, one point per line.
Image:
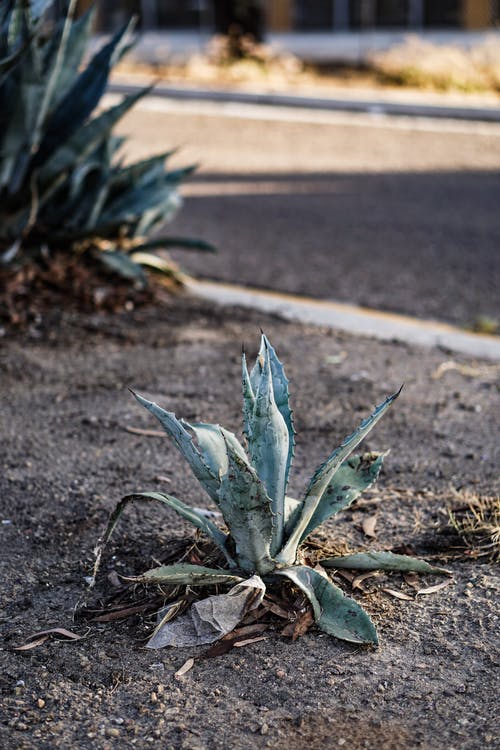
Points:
469	371
189	664
300	626
38	638
356	582
412	580
432	589
275	609
31	644
398	594
228	642
239	644
369	526
144	431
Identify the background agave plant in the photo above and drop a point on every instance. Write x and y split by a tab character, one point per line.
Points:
63	187
265	526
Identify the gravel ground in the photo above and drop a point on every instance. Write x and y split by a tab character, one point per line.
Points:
67	458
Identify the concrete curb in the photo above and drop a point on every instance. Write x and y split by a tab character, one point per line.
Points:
367	106
357	320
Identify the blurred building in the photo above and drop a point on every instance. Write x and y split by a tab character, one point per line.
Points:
307	15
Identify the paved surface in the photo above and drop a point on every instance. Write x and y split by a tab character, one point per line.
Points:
396	214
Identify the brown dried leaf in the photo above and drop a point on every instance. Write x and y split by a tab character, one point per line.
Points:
144	431
246	630
189	664
217	649
369	525
31	644
38	638
276	609
228	642
302	624
356	583
63	632
412	580
122	613
239	644
433	589
398	595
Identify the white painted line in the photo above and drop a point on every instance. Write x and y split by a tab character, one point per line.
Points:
358	320
279	113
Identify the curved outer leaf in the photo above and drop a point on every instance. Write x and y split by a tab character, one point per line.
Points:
381	561
155	263
268	448
122	264
186	243
354	476
324	475
184	574
246	508
190	514
184	442
212	441
334	612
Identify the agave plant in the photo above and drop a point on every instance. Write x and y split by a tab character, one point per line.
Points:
63	186
265	526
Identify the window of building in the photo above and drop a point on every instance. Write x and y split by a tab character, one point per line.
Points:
447	13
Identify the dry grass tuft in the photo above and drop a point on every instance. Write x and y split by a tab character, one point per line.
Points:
423	64
477	523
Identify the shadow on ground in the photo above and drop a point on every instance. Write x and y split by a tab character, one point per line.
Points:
424	244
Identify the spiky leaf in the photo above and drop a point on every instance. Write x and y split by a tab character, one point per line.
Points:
212	441
184	574
184	442
268	446
248	398
87	138
190	514
355	475
247	511
381	561
81	99
334	612
324	475
282	398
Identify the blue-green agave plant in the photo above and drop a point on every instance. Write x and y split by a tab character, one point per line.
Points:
265	526
63	186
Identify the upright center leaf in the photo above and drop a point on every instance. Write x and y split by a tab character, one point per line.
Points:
268	445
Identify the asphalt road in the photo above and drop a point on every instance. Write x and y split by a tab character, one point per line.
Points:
397	214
